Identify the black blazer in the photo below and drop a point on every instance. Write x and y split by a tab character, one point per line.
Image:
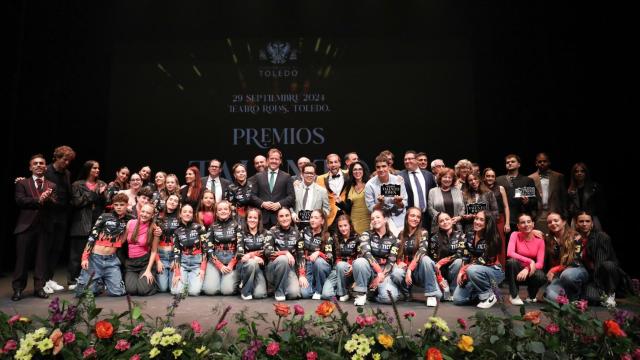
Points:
31	210
224	182
429	183
282	193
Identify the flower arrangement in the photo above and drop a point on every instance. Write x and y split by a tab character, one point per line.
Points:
563	329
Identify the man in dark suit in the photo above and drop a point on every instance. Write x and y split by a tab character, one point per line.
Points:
214	182
553	194
34	196
418	183
273	189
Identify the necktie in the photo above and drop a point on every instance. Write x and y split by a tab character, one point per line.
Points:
304	198
39	184
420	192
272	180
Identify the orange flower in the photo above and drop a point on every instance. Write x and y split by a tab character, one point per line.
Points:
325	308
58	340
433	354
104	329
282	310
533	316
611	328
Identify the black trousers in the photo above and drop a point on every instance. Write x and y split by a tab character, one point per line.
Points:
533	282
30	244
605	283
58	239
133	282
76	247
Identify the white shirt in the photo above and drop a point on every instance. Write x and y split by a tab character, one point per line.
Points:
215	182
309	196
336	184
414	187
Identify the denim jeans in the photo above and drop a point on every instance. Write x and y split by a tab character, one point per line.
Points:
106	270
424	276
283	278
166	276
570	281
363	274
481	281
317	272
189	275
338	283
252	278
215	282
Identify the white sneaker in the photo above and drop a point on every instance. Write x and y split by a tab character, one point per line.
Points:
47	289
72	287
54	285
432	301
280	298
530	300
516	301
447	296
610	302
360	300
316	296
344	298
487	303
248	297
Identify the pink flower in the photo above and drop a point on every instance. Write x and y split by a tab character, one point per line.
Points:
122	345
89	352
636	354
370	320
14	319
195	326
135	357
221	325
552	328
136	330
312	355
360	320
10	345
409	314
298	309
69	337
581	305
273	348
626	356
562	299
463	323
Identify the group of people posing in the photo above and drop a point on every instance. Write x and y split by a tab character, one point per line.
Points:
344	234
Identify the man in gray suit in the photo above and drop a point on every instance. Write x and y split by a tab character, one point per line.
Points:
550	186
214	182
309	196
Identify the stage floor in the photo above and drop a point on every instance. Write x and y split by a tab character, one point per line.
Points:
201	307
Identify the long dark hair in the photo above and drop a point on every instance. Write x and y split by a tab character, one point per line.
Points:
490	236
86	170
404	235
351	182
245	225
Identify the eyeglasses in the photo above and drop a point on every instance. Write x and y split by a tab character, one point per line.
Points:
214	166
308	173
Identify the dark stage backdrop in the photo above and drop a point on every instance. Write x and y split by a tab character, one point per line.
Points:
167	83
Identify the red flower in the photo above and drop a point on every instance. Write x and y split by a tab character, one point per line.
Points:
135	357
463	323
273	348
611	328
221	325
14	319
636	354
581	305
325	308
89	352
69	337
10	345
298	309
104	329
433	354
626	356
312	355
533	316
195	326
552	328
136	330
282	310
409	314
122	345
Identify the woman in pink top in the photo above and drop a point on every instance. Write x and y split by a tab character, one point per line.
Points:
207	209
142	237
526	260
